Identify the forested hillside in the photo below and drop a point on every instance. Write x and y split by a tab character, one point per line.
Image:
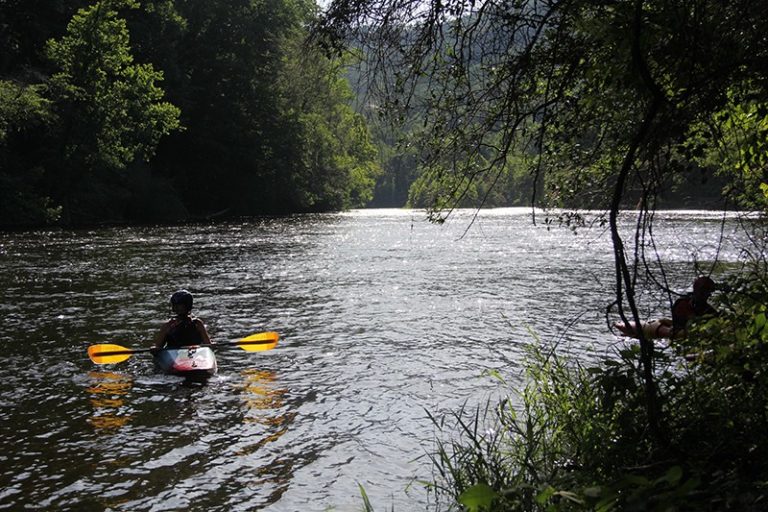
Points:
162	110
469	162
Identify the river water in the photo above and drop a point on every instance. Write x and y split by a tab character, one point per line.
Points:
383	319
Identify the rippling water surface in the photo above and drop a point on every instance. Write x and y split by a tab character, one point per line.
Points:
383	317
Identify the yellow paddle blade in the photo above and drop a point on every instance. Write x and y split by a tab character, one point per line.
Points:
259	342
107	353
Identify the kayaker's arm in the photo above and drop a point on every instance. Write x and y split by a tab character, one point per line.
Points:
159	340
200	326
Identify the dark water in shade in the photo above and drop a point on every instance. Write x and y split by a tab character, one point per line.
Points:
383	317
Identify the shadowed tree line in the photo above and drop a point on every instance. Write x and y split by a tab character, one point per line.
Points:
164	110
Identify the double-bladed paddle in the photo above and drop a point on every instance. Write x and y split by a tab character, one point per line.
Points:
108	353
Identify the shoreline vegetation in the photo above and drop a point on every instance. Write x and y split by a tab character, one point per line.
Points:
118	111
576	436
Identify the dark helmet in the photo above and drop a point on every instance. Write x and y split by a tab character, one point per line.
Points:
182	297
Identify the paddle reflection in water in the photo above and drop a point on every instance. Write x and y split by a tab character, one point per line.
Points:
264	412
109	391
263	399
209	460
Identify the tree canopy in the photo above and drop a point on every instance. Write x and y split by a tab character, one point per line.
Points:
117	110
566	87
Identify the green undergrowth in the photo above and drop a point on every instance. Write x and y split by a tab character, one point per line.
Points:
577	437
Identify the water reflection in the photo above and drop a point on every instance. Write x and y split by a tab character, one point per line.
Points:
264	405
262	398
109	392
265	421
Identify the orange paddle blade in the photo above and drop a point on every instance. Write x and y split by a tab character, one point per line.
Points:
107	353
259	342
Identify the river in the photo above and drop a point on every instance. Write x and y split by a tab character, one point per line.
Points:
383	319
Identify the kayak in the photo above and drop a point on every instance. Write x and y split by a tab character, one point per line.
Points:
655	329
194	362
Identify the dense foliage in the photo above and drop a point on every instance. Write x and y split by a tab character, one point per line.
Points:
547	96
118	110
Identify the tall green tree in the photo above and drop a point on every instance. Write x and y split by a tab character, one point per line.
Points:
247	120
268	127
231	55
111	109
25	26
24	113
338	161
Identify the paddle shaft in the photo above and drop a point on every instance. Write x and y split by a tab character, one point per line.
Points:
109	353
212	345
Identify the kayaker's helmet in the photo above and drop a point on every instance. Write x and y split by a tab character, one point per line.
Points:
182	297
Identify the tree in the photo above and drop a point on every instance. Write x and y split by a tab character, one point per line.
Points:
250	122
605	95
268	127
111	109
337	165
25	26
24	111
229	54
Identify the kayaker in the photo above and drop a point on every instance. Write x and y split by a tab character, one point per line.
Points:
183	329
684	309
693	305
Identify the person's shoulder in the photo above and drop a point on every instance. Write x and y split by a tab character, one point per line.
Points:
682	308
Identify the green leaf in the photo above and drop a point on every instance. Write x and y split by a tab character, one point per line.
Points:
545	495
366	500
495	374
570	496
673	475
478	497
759	321
637	480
